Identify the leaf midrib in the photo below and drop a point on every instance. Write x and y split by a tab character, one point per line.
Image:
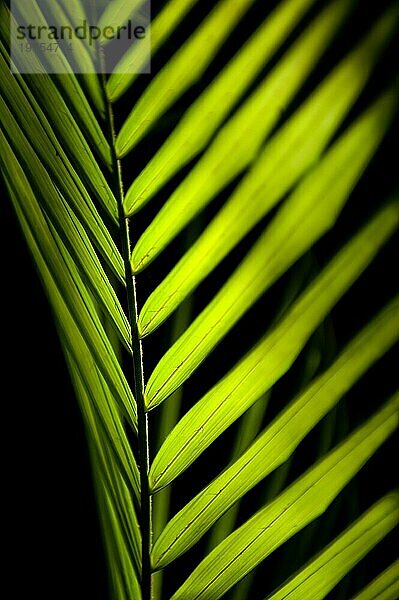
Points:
137	358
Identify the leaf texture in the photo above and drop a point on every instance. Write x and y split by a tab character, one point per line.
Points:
383	587
324	572
187	65
205	115
240	140
314	205
275	445
230	179
290	512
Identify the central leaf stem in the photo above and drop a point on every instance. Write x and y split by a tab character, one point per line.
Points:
138	373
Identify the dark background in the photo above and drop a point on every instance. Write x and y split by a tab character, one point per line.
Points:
51	538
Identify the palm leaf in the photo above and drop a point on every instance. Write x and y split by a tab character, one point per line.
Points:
323	572
384	587
242	230
300	503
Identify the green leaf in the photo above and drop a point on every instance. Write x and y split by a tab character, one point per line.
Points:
123	569
95	399
49	250
81	59
181	72
295	147
285	116
75	237
320	576
206	114
301	503
110	445
64	124
249	427
269	359
383	587
50	157
135	57
125	582
76	11
116	13
309	212
102	415
69	86
274	445
121	500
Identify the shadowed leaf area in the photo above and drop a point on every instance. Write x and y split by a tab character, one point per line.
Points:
201	303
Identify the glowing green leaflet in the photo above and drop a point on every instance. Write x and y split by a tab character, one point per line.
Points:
53	104
161	27
64	271
304	217
297	145
42	154
81	59
72	93
301	503
121	485
272	356
383	587
181	71
116	13
67	225
274	445
239	141
205	115
316	580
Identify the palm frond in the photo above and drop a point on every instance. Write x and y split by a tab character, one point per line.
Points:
243	159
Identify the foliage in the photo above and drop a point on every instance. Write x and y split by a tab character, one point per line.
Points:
205	236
